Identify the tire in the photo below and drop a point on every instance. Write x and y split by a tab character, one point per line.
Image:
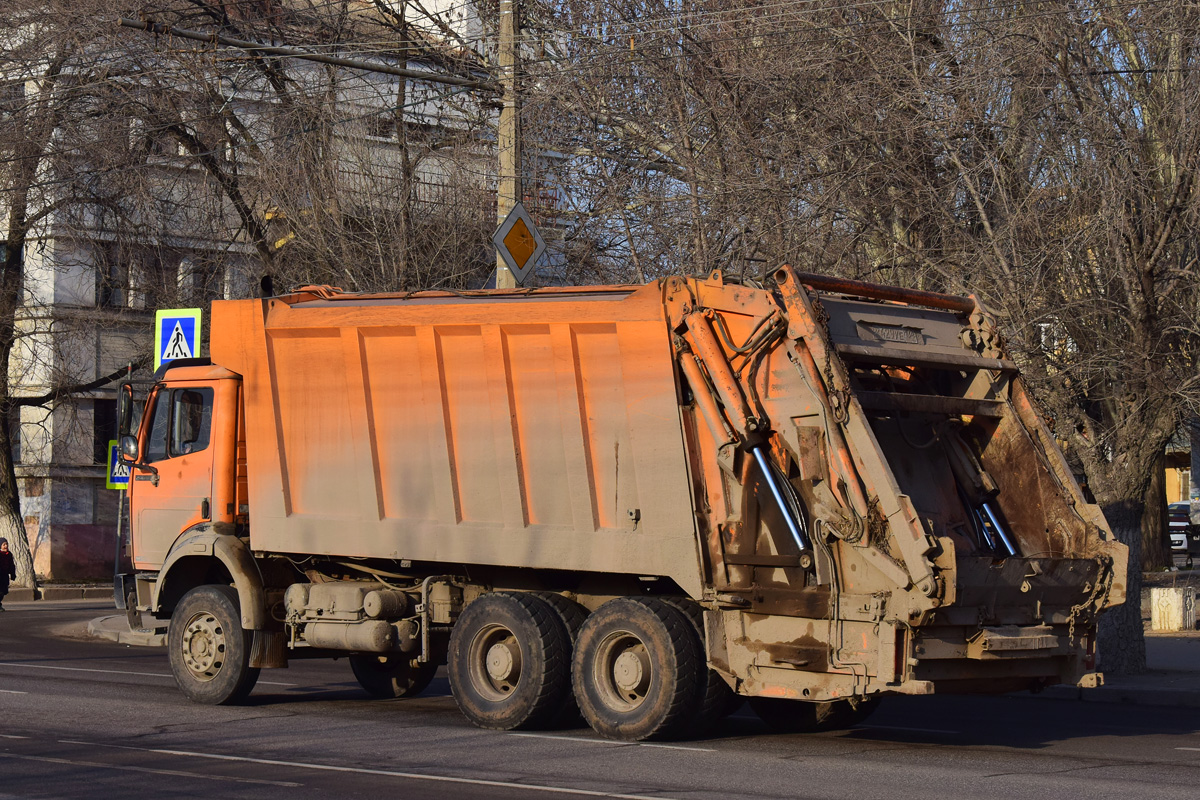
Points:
133	617
802	716
509	662
209	650
391	676
638	670
714	697
572	616
571	613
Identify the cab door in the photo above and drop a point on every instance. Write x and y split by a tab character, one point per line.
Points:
174	488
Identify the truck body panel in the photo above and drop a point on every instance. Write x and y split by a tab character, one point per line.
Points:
535	435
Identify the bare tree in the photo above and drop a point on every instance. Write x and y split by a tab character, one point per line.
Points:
333	175
1042	158
164	176
53	121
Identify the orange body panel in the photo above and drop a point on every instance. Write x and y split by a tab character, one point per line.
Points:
524	433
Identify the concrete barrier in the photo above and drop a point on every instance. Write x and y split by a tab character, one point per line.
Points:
1173	608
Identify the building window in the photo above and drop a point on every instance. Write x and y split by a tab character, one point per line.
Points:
104	421
112	276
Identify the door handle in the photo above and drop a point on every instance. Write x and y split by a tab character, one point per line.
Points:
204	509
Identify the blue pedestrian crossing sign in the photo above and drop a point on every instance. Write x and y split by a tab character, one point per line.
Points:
118	470
176	335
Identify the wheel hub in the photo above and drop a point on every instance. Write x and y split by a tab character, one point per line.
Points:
494	662
631	672
203	646
503	661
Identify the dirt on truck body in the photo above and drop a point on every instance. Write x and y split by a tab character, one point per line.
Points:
638	500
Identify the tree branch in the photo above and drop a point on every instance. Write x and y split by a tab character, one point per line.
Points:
61	392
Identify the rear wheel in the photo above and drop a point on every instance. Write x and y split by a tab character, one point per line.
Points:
571	613
572	616
509	662
390	676
208	649
637	670
715	698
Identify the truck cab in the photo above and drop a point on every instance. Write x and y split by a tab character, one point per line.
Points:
183	458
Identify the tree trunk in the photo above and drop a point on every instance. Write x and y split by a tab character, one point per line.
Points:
12	526
1156	541
1122	646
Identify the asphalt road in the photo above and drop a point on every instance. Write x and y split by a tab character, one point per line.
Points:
87	718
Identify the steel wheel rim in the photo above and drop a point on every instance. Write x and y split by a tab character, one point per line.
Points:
204	646
622	671
494	662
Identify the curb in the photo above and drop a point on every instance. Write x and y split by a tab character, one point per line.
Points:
116	629
25	595
1126	695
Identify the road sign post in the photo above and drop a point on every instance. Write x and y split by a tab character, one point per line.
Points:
176	335
519	242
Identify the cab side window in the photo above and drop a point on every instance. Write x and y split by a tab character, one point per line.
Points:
181	423
191	418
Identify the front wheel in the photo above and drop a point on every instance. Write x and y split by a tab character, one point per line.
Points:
391	676
209	650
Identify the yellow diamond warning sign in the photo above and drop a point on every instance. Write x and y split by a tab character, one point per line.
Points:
518	242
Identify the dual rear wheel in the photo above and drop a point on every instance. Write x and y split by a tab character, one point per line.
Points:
639	670
509	661
635	667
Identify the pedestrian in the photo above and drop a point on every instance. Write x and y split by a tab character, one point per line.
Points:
8	569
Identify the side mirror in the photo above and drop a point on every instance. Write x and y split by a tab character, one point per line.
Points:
124	409
129	449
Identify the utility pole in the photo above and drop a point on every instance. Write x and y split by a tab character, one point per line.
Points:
404	279
508	138
1194	487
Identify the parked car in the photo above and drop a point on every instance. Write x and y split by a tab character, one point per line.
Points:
1185	537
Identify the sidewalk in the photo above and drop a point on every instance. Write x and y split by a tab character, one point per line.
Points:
116	628
1173	677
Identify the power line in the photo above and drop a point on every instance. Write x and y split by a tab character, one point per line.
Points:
292	52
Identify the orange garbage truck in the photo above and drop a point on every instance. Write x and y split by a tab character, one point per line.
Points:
642	502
